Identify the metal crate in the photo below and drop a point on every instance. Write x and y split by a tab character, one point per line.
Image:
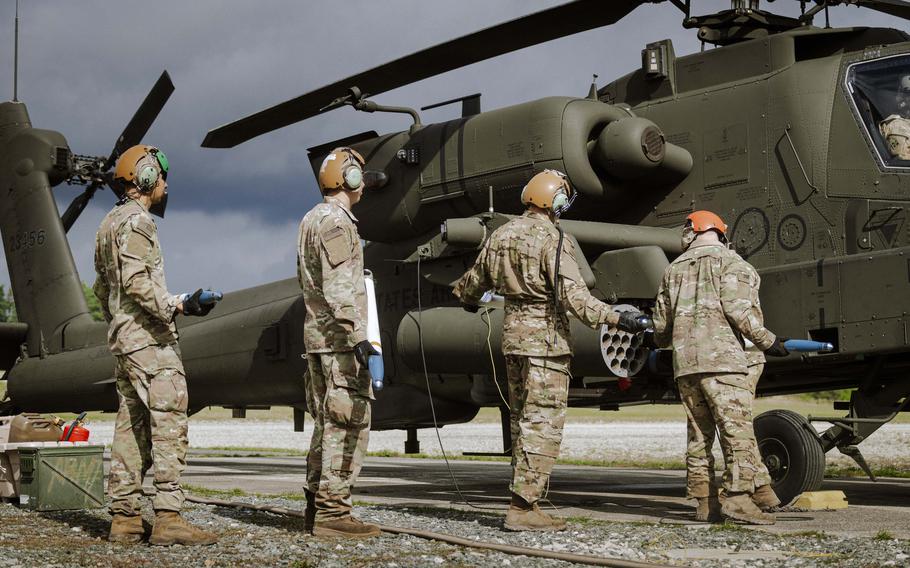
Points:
61	478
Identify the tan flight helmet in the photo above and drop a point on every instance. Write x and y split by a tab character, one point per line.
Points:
341	169
549	190
141	166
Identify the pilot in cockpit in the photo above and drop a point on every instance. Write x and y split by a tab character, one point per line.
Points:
896	127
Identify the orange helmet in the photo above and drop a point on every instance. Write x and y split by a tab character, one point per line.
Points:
702	221
341	169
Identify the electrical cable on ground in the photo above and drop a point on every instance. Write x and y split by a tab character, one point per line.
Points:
426	377
486	318
443	537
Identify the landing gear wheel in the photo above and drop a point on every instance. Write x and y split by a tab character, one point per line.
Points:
791	452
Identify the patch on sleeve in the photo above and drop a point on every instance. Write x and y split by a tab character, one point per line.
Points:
146	226
337	244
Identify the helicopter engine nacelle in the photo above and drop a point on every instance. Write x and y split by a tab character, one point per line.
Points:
448	169
635	148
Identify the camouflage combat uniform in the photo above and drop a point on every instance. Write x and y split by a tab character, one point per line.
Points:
706	305
330	269
756	364
896	130
151	423
518	262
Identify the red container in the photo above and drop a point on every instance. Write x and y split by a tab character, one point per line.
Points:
80	434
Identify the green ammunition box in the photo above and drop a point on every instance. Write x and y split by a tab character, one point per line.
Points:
61	478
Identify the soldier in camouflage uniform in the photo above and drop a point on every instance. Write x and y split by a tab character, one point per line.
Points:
151	426
896	130
706	305
519	261
764	496
896	127
339	393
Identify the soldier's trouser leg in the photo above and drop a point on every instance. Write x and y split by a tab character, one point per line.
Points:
340	393
762	477
700	431
731	404
538	391
151	428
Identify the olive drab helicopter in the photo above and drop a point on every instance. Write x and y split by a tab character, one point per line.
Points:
791	132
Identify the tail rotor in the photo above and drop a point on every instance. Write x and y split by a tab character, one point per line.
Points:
96	172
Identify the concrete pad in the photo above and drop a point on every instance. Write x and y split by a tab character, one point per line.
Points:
821	501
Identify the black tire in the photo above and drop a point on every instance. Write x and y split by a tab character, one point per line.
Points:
791	452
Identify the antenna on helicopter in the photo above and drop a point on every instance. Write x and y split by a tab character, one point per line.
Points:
16	57
592	92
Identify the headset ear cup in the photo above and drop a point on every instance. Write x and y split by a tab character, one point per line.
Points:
147	178
559	201
353	177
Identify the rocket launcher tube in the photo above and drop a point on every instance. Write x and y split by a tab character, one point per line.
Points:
376	365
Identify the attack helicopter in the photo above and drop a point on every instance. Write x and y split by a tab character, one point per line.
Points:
777	128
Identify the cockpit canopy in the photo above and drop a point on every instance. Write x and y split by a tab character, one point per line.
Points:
880	92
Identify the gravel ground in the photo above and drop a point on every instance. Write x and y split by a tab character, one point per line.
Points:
256	538
609	442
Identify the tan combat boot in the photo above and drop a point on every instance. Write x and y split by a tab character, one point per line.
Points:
170	528
765	498
708	509
309	514
739	507
525	517
346	527
126	529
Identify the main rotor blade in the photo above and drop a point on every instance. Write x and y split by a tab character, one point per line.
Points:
899	8
533	29
145	115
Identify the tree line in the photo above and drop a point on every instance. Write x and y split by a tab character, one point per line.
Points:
8	304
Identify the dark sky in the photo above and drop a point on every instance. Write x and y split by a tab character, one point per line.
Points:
232	218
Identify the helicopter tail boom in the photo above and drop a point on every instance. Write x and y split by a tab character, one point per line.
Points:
45	284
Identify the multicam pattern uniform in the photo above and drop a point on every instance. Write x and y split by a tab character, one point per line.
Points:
518	262
151	424
762	475
896	130
330	270
707	303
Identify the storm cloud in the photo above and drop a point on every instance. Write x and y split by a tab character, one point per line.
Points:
85	67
